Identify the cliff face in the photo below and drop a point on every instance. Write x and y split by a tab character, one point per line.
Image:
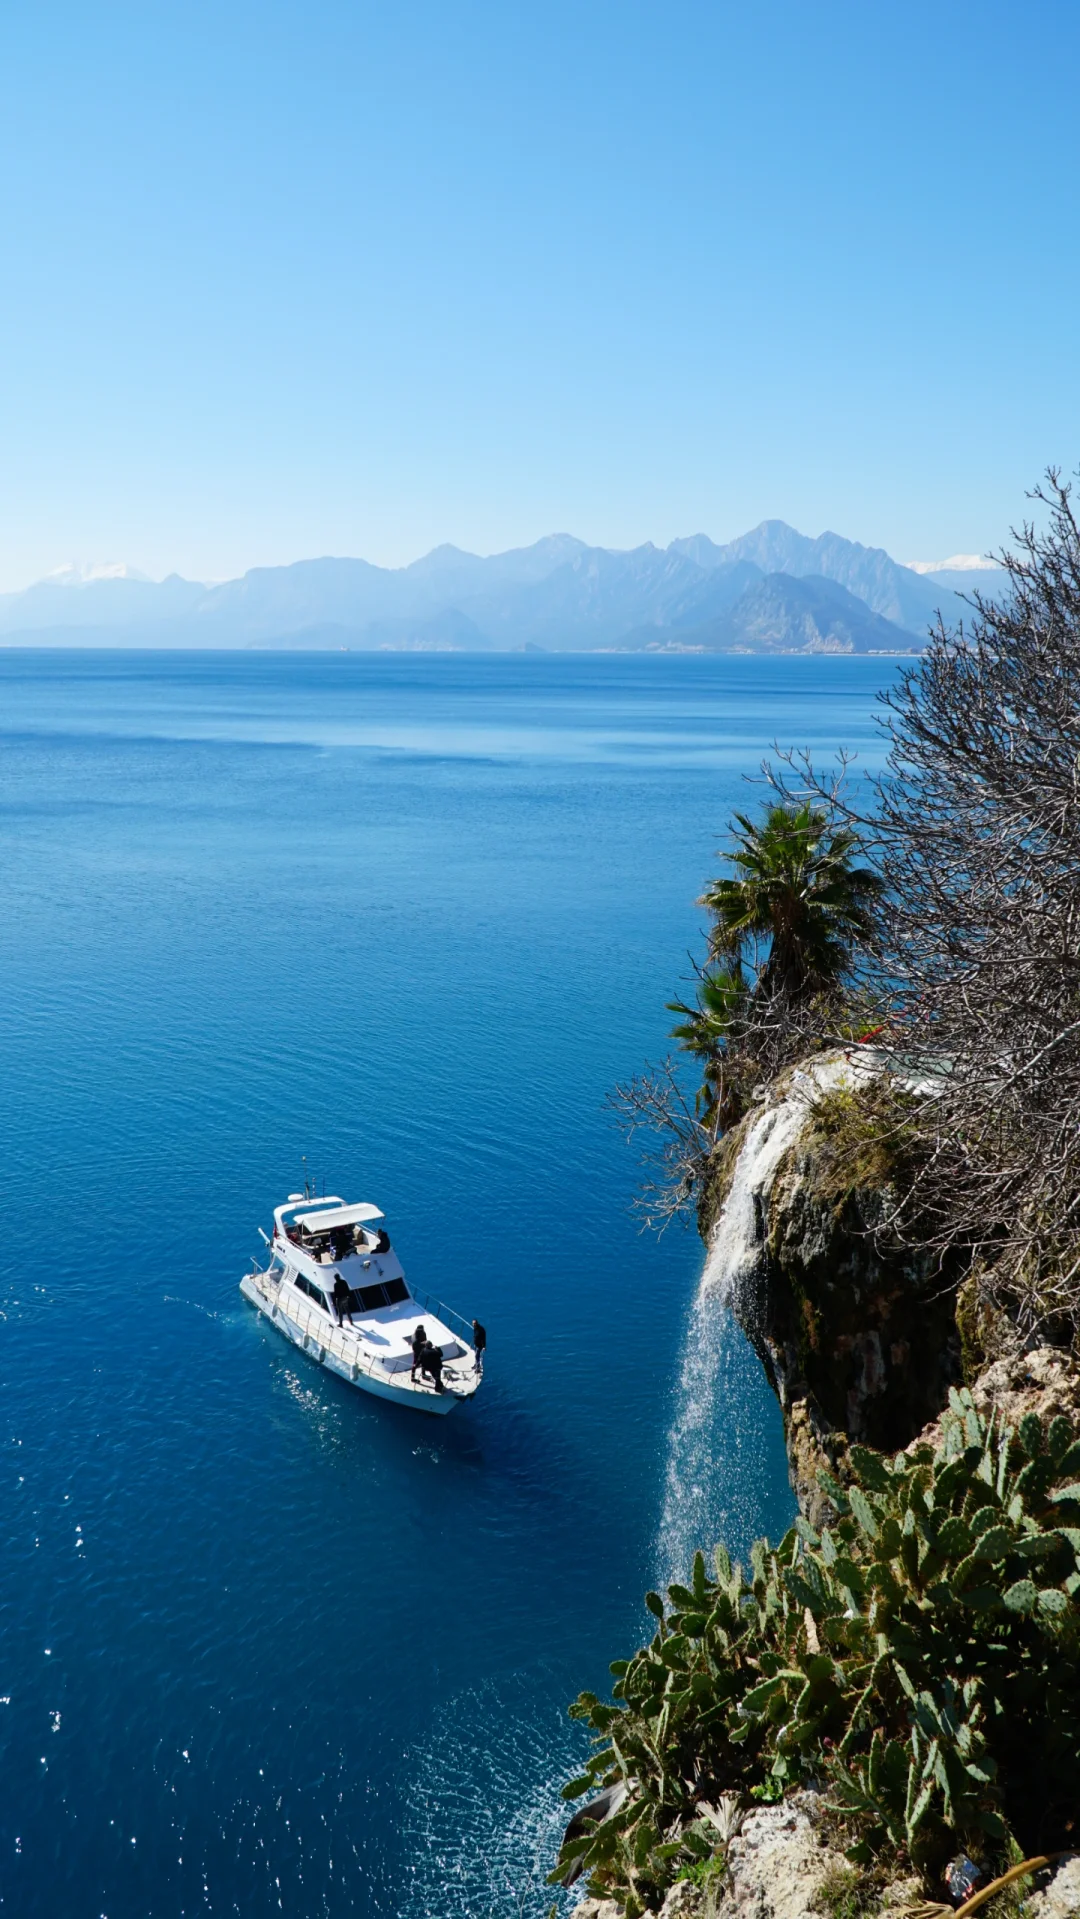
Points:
858	1338
861	1342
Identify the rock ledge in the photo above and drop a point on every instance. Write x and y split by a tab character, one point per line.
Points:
775	1865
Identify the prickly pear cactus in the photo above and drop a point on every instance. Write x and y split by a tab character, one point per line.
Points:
919	1658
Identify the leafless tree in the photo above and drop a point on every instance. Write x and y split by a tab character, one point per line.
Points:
976	826
677	1135
655	1113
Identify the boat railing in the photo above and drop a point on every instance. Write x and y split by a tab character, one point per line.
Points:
310	1319
439	1310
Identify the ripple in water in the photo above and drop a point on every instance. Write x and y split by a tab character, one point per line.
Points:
486	1814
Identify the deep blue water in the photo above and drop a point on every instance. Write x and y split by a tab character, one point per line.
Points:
267	1645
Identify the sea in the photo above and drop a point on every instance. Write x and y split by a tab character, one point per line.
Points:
394	925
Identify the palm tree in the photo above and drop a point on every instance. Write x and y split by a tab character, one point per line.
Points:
705	1030
798	890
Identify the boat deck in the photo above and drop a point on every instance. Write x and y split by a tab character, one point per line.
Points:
348	1349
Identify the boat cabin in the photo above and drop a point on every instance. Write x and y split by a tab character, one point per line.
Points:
362	1299
329	1231
324	1242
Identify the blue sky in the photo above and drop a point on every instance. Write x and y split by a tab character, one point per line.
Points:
282	279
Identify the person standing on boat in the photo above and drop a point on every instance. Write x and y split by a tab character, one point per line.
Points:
479	1340
432	1362
418	1342
340	1298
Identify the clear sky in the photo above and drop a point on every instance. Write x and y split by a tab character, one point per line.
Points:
291	277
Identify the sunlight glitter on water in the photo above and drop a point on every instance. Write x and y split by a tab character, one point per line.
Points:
308	1652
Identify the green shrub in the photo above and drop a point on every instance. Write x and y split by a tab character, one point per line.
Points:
704	1872
917	1659
865	1136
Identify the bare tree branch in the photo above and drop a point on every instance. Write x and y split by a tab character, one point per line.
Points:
975	824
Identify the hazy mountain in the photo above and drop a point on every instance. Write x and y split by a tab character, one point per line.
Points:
557	594
72	573
780	614
807	615
64	601
592	599
868	572
987	580
717	591
520	565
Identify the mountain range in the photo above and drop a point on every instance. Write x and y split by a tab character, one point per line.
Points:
771	590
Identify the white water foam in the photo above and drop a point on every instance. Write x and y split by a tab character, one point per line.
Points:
703	1499
486	1812
709	1490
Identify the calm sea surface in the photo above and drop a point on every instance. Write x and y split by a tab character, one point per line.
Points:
269	1646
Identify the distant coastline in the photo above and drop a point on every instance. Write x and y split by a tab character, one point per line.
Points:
773	590
34	643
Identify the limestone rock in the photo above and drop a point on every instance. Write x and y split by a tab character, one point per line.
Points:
684	1901
901	1895
1044	1381
1061	1899
775	1865
777	1862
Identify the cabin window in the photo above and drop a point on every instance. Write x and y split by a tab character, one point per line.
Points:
312	1291
370	1298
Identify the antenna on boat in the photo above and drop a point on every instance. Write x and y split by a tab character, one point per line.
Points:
308	1193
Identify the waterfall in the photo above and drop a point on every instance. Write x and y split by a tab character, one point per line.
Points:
735	1247
725	1449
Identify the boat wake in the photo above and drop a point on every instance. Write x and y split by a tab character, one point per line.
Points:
174	1299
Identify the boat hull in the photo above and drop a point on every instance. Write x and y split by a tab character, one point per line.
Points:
416	1396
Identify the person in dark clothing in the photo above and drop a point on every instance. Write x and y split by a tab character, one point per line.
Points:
418	1342
432	1363
340	1298
479	1340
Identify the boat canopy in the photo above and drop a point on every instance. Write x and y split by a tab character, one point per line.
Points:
326	1222
299	1203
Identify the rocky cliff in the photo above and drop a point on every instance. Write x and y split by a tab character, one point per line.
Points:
861	1342
858	1337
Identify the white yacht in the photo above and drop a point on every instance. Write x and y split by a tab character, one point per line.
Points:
333	1285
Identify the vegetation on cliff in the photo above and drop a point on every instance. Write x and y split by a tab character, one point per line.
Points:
918	1656
957	948
796	899
789	932
893	1657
